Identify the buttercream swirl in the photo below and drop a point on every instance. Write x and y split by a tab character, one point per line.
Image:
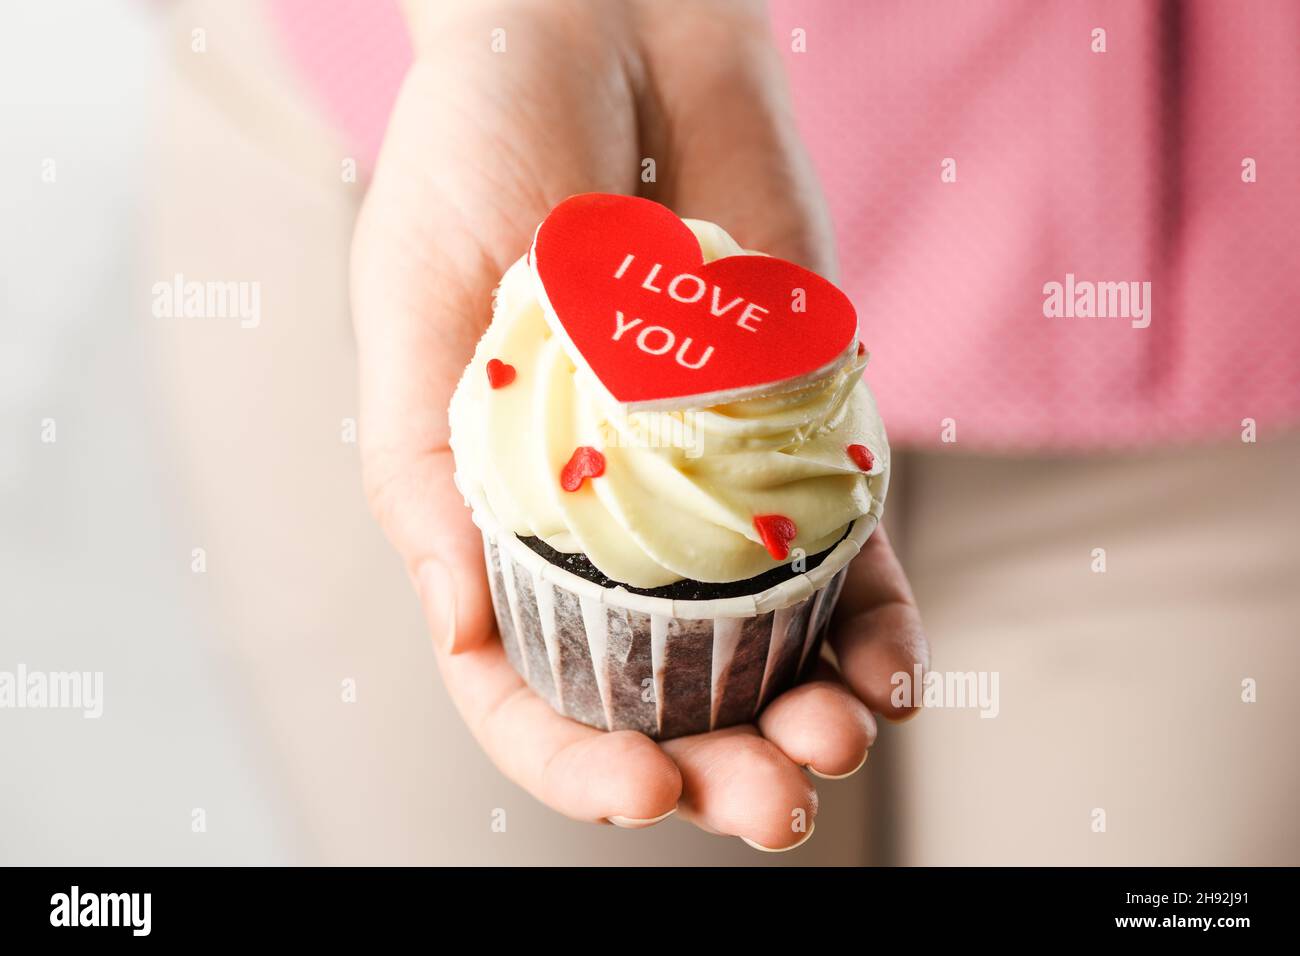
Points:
680	490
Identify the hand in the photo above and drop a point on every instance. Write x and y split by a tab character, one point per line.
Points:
481	145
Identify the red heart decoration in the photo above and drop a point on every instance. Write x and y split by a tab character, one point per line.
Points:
776	532
861	456
585	462
499	373
626	286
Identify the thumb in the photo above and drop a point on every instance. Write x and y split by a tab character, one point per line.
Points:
420	509
448	210
415	328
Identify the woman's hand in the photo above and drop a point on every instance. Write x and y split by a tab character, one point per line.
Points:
481	145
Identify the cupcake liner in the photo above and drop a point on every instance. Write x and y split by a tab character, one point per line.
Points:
622	661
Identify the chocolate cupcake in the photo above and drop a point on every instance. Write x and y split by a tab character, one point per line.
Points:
671	453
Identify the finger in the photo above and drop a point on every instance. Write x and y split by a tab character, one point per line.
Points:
421	511
416	327
735	782
584	773
876	631
418	313
821	725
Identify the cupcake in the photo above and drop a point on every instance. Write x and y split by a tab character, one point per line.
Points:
668	445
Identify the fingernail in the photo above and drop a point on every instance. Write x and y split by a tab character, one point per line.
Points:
836	776
782	849
632	823
438	595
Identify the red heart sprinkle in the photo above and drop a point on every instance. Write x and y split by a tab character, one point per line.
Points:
862	350
499	373
777	531
585	463
861	456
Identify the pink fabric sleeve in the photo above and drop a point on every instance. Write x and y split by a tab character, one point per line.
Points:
1116	166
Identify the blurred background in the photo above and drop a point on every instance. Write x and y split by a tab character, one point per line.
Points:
96	528
182	511
224	688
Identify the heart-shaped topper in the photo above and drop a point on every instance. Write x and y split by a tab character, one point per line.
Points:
624	283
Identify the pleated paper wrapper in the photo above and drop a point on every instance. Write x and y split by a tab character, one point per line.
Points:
622	661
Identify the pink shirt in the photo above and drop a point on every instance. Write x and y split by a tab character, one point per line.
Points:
975	152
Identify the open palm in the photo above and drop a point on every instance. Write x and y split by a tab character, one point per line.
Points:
491	130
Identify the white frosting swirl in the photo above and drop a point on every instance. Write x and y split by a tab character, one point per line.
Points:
680	489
